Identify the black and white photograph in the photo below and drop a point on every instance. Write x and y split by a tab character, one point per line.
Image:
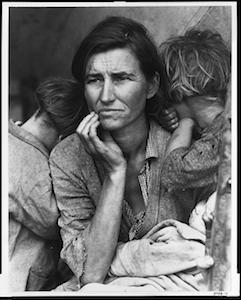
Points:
119	149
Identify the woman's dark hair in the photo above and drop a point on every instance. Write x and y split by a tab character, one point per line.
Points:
118	32
197	63
62	101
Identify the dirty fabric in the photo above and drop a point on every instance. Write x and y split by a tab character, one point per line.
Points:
33	212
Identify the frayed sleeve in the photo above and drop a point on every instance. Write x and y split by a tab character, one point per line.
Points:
76	211
195	166
76	208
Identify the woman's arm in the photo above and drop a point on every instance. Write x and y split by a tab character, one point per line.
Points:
90	212
102	236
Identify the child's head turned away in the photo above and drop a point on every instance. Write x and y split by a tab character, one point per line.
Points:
196	70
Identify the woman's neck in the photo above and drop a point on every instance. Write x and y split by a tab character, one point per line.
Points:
132	139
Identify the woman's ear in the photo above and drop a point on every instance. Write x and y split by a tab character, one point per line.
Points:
153	86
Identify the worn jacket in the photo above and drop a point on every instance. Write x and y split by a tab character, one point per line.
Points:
33	212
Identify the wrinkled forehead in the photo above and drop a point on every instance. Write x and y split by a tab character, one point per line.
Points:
116	60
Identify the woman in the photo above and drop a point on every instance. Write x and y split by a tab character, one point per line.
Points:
107	176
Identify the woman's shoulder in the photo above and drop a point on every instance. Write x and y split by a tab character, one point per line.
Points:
70	152
71	143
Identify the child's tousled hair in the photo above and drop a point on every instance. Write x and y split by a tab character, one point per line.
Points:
197	63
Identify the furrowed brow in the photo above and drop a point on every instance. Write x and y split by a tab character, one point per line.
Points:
92	75
123	73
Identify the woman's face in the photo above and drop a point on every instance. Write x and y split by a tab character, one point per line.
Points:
116	88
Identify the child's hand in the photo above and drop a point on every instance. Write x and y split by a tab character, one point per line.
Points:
168	119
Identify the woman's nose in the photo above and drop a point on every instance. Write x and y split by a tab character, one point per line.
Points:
107	92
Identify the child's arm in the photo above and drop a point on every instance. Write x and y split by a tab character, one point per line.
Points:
195	165
192	164
182	136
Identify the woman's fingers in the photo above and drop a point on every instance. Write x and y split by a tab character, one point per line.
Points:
156	231
163	238
93	128
165	234
150	233
84	122
88	124
88	140
99	146
157	235
86	127
169	237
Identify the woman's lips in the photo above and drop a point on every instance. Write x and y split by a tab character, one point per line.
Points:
107	112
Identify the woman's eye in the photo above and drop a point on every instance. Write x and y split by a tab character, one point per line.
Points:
120	78
93	80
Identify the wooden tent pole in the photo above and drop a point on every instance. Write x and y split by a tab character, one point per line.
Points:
219	242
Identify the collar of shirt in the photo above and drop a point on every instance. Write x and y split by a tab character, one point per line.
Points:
152	143
27	137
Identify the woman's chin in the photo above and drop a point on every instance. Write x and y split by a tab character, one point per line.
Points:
110	125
